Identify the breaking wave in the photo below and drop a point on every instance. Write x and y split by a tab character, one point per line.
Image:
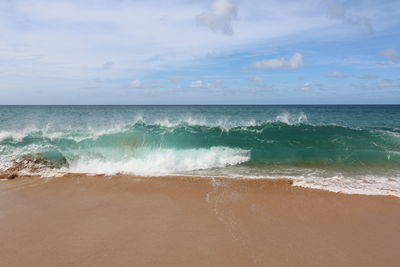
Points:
287	146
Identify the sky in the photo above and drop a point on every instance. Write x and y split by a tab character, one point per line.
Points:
199	52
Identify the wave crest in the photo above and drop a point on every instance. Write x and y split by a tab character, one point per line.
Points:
147	162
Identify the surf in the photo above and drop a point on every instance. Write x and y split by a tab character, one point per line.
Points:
273	142
217	141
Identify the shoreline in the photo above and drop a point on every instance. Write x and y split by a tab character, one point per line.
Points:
9	176
126	220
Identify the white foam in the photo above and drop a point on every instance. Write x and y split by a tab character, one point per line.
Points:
223	123
76	135
90	132
164	162
17	136
367	185
9	154
227	123
388	184
291	119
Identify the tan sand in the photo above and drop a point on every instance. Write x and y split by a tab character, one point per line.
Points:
131	221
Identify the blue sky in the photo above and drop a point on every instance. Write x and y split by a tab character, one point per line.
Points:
199	52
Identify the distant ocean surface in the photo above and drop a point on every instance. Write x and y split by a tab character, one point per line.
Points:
350	149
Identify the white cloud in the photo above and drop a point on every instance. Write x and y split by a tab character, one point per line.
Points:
220	16
257	79
196	84
391	54
336	74
136	84
108	65
369	76
201	84
295	62
306	86
387	83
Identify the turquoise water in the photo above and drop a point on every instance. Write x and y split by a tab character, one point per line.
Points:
339	148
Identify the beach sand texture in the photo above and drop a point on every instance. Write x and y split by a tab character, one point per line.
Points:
177	221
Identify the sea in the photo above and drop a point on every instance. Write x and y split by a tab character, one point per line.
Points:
351	149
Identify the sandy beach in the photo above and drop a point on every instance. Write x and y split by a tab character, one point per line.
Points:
176	221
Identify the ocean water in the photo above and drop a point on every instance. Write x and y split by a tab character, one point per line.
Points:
350	149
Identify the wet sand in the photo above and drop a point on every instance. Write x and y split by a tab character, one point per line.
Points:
132	221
